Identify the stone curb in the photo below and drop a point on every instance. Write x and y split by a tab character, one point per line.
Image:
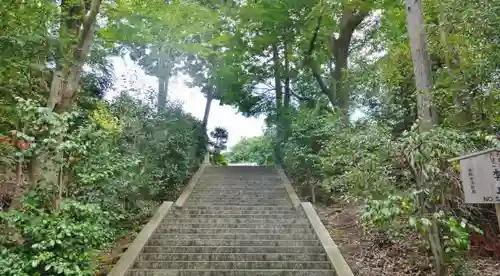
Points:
288	187
337	260
128	258
189	188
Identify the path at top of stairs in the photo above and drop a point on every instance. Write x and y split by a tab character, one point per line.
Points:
237	221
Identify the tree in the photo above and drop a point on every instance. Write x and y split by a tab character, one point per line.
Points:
162	36
426	113
252	150
76	35
220	135
338	40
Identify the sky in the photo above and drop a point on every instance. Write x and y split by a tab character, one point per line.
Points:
129	74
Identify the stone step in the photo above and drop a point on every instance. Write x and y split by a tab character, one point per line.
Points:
277	194
270	203
276	226
281	195
217	187
232	257
233	231
175	215
249	189
246	197
252	189
196	272
230	242
180	212
239	236
232	265
225	183
238	185
264	180
239	192
230	220
236	207
230	272
242	198
234	249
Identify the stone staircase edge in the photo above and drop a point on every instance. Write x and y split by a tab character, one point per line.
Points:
127	260
288	187
189	188
334	255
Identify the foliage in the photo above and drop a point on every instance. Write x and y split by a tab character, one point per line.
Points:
219	159
63	243
306	65
367	163
220	135
252	150
120	157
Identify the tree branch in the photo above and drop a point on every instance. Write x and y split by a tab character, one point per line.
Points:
87	29
299	97
309	60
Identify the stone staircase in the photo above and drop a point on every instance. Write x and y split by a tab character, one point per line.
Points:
234	221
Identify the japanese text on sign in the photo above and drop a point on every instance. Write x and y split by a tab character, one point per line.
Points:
480	175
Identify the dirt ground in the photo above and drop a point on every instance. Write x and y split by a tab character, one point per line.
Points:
369	254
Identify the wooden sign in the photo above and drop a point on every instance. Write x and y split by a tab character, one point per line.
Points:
480	175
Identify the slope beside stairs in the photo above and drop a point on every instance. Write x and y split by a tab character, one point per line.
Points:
234	221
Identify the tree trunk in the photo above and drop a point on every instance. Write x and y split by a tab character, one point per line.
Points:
338	92
279	104
312	187
426	113
421	64
287	120
341	91
66	78
349	21
65	83
163	92
164	75
210	96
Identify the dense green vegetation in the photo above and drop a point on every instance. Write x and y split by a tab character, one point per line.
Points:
78	171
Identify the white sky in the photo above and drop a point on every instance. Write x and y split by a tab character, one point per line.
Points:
238	126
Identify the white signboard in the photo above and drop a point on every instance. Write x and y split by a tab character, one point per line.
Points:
480	174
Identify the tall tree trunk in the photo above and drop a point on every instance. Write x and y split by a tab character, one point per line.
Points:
66	80
210	97
163	91
279	103
341	91
349	21
421	64
338	92
77	22
164	75
427	116
287	120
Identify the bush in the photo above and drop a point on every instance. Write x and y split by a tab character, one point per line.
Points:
62	243
119	160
